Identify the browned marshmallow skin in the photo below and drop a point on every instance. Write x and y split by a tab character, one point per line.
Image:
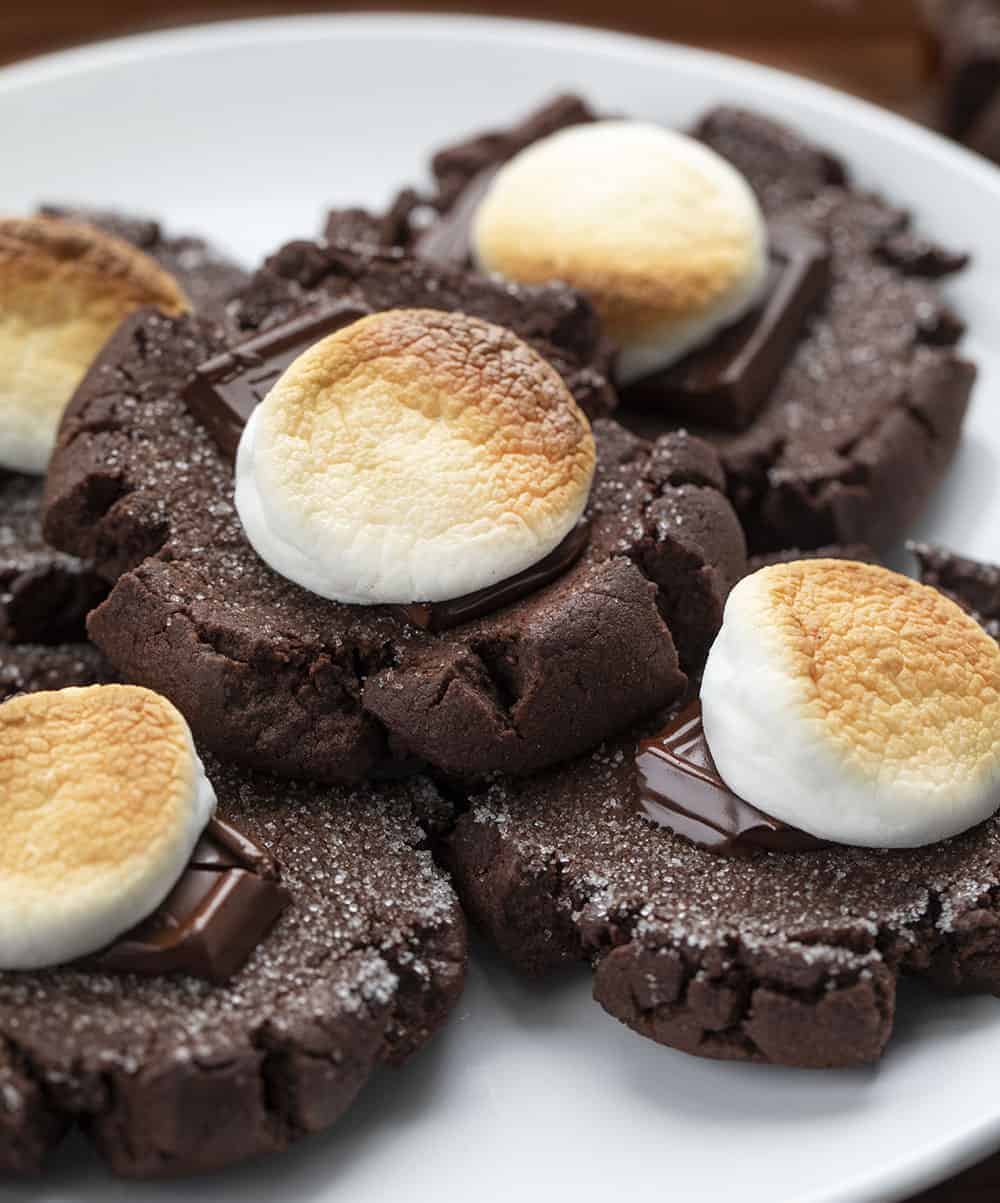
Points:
413	455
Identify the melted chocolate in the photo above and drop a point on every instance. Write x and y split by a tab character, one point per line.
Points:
222	906
725	383
225	391
441	616
680	788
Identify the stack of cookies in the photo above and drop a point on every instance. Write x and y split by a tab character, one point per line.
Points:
512	553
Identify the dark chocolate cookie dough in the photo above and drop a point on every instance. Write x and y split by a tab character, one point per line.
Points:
278	678
792	958
30	667
45	595
174	1075
869	410
972	583
866	414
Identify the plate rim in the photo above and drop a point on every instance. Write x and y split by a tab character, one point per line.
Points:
932	1165
177	41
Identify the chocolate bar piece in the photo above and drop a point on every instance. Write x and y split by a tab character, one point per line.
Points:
727	382
224	903
680	788
226	390
441	616
449	239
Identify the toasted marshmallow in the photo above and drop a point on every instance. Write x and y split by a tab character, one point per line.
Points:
413	455
64	287
663	234
102	799
855	704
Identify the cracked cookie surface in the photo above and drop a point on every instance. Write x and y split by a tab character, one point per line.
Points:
45	595
281	679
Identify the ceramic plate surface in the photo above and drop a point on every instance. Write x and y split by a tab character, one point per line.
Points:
246	131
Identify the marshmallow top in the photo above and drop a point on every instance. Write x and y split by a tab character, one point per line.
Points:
855	704
102	799
664	235
64	287
413	455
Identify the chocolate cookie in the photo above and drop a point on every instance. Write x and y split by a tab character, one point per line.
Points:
865	402
208	278
282	679
868	412
30	667
967	37
45	595
173	1075
786	957
972	583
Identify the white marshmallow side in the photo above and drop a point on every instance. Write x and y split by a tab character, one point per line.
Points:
370	563
775	755
616	208
40	928
64	288
36	381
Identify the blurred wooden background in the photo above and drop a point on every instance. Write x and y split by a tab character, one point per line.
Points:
874	48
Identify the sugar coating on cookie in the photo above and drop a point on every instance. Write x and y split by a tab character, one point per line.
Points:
663	234
855	704
102	799
64	287
414	455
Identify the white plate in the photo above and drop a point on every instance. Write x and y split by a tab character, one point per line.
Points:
246	131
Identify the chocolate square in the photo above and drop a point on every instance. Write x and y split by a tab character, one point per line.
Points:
727	382
225	390
442	616
221	907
